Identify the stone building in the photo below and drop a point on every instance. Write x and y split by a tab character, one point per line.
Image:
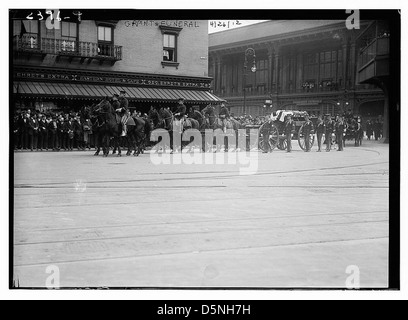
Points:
309	65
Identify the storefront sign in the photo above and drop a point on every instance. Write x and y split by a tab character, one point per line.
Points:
139	81
163	23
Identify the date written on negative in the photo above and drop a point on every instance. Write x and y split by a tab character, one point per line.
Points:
205	310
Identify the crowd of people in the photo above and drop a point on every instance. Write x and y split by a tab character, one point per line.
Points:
52	131
374	129
66	131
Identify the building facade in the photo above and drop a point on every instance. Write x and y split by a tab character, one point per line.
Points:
291	64
70	64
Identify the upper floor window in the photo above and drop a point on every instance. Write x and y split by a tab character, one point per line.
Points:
169	47
105	41
170	44
28	33
104	34
69	36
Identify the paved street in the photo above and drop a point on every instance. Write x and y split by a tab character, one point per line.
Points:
300	221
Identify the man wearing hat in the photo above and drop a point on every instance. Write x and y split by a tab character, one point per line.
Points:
181	109
289	130
123	106
224	115
266	133
320	130
329	131
340	128
307	130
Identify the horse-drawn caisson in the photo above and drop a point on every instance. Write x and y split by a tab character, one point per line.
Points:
277	139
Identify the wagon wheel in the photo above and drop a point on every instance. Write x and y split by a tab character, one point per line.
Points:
283	144
302	140
273	138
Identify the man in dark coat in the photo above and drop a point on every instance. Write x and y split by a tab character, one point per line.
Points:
329	131
320	130
52	129
68	128
62	143
33	132
224	115
42	132
289	130
78	133
181	110
307	130
340	127
24	127
377	129
266	132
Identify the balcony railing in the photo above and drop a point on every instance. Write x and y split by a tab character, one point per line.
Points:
27	42
71	48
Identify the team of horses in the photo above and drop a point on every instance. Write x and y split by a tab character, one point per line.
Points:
107	128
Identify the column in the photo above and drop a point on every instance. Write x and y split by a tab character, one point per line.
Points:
219	82
270	68
345	62
214	73
353	63
276	70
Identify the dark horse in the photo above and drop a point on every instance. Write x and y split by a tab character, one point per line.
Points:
138	134
108	126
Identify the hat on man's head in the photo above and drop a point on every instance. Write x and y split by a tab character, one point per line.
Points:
122	91
180	99
115	95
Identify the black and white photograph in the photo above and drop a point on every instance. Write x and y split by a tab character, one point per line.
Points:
204	149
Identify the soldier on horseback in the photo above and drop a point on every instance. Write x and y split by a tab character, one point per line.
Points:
224	116
123	110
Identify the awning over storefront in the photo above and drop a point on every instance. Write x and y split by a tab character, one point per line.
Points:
91	91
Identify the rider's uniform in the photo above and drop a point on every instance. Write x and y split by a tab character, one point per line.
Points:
123	106
224	115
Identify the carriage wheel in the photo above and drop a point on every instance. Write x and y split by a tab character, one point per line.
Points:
273	138
302	140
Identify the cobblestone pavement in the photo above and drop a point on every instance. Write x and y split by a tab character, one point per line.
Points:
300	221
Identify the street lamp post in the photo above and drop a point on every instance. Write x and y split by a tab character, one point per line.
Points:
248	53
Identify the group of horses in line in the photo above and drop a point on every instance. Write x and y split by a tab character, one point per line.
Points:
107	127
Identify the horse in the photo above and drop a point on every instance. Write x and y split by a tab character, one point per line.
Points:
138	135
226	125
108	126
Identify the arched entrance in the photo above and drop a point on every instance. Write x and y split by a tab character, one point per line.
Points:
371	109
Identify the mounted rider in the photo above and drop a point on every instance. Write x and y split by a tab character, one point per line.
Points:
197	115
209	113
123	110
181	109
224	115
